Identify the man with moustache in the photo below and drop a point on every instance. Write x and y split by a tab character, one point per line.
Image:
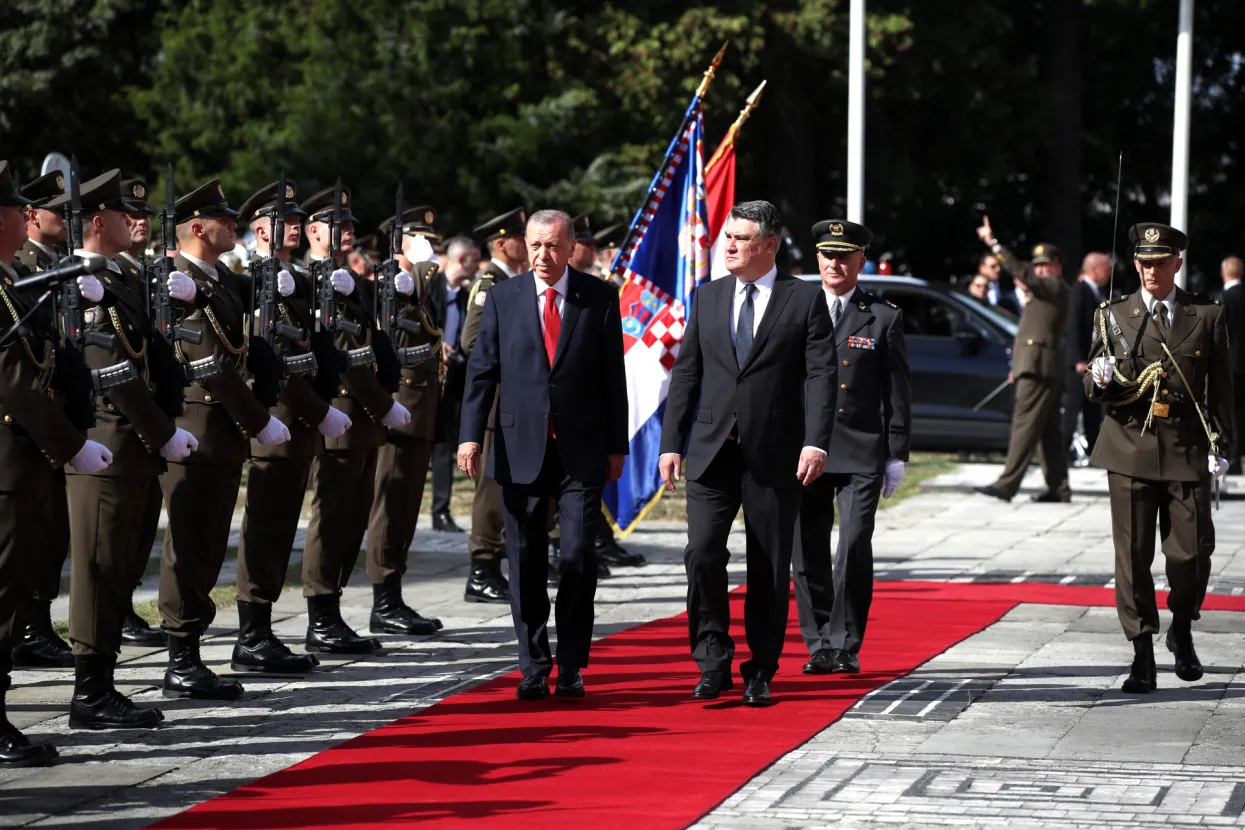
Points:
223	413
753	390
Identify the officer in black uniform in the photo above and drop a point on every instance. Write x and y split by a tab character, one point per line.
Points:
868	448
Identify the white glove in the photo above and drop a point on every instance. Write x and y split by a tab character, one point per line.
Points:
419	249
397	416
1217	466
404	284
92	458
181	287
180	445
893	477
90	288
285	283
1103	370
343	283
335	423
274	433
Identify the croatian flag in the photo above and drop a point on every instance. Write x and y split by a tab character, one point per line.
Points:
665	256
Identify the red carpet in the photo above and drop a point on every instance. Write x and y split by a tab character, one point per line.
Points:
636	753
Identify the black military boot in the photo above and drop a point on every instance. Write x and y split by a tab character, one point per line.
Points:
609	552
136	632
97	704
188	677
328	633
1180	643
258	649
40	648
16	750
390	615
1143	677
486	584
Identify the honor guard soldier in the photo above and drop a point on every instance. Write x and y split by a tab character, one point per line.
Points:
584	251
40	647
277	475
224	414
1038	371
1160	363
503	239
343	478
134	629
36	437
402	462
608	241
868	449
107	507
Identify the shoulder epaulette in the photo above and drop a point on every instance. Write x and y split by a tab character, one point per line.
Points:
1119	299
892	305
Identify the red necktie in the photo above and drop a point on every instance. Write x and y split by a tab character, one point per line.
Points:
553	324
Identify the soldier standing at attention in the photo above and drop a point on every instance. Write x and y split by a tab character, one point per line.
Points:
106	507
343	478
1038	371
402	462
277	475
1159	361
868	449
223	413
40	647
35	438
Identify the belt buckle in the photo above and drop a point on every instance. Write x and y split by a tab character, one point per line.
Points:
1160	410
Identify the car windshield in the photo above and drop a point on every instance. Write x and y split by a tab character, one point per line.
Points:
1000	318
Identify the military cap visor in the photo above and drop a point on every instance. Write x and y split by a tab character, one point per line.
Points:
319	207
263	202
207	201
100	193
135	192
583	230
513	223
416	220
44	189
9	195
1044	252
837	236
1155	241
612	236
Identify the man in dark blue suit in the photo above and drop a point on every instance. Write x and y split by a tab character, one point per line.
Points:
552	340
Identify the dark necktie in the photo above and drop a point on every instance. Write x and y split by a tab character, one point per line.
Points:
743	327
835	311
1160	319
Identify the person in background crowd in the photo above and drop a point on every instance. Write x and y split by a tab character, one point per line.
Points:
1088	292
988	267
1234	309
979	288
608	242
584	254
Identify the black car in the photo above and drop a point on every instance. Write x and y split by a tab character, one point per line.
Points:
959	350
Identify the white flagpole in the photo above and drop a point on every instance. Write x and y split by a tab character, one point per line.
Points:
856	114
1180	130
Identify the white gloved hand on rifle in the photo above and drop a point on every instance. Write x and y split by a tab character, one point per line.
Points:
343	283
90	288
285	283
181	286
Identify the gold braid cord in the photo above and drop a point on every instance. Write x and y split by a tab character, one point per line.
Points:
48	363
140	356
224	341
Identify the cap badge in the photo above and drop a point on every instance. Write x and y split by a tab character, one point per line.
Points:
140	192
60	182
428	217
836	229
1152	234
1039	250
289	192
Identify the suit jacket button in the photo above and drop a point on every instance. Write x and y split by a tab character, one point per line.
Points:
842	411
1197	354
845	363
52	461
207	398
407	381
1164	391
1029	341
8	419
842	385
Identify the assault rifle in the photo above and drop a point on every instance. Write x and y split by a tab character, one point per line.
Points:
328	316
386	295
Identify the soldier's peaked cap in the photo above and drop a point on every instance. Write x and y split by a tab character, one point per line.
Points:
45	188
135	192
205	201
583	229
838	236
508	224
613	235
416	220
101	193
263	202
1044	252
319	206
9	196
1155	241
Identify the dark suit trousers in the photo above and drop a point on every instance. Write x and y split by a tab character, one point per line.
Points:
713	501
200	499
833	596
106	522
445	455
342	483
1238	394
1036	425
24	519
274	500
525	511
1075	403
401	472
1181	510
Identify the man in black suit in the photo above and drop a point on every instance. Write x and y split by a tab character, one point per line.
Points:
867	454
758	357
1234	307
1088	292
552	339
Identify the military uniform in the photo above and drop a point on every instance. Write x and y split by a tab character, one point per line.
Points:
35	438
1039	372
40	647
223	414
402	463
1171	371
872	427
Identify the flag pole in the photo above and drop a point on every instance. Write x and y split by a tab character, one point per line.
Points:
733	133
856	113
1180	130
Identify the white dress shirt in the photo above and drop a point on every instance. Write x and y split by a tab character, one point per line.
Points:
503	266
765	287
1151	301
843	298
559	298
992	292
210	270
1230	284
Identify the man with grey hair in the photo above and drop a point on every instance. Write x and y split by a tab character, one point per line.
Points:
550	351
752	400
1234	307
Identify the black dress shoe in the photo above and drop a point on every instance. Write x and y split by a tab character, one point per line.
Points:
97	704
993	492
444	523
328	633
712	684
1143	675
611	553
136	632
535	687
1052	497
570	683
486	584
756	693
40	647
17	751
186	675
390	615
258	650
822	662
1180	644
844	662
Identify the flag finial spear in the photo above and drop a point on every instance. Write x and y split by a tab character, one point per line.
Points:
733	133
709	73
